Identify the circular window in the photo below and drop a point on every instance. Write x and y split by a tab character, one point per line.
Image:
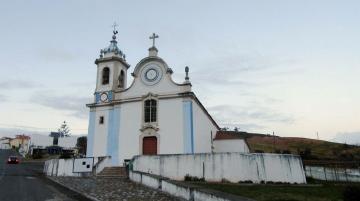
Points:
151	74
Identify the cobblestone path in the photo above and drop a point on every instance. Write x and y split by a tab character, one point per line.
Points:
113	189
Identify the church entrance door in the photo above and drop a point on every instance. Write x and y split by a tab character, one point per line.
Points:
149	146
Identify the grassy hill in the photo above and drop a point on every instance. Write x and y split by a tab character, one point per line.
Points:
309	149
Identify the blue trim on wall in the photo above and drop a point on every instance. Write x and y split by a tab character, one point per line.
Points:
110	96
188	127
192	127
97	97
113	135
91	135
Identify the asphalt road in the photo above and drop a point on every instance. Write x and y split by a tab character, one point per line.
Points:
25	182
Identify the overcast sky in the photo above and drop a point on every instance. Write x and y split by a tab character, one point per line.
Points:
291	67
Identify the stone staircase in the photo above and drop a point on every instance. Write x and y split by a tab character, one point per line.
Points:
113	172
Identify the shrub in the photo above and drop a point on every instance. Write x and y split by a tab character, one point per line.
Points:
245	182
190	178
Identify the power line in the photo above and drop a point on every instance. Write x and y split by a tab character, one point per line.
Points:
32	127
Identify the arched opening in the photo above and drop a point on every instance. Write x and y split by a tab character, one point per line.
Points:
121	79
105	75
149	145
150	111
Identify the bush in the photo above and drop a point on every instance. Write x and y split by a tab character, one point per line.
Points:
286	151
66	155
190	178
246	182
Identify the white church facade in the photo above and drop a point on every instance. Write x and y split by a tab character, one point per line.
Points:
154	115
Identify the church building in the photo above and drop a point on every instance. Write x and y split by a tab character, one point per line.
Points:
154	115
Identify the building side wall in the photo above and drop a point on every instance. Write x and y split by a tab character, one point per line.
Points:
233	145
100	132
203	127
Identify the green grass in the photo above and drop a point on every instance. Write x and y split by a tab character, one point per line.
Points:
321	192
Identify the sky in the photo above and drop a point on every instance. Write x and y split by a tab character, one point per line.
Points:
288	67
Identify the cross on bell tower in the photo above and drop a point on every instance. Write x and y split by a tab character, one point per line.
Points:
153	50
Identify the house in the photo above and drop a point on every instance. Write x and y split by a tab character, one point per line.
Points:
230	141
5	143
20	141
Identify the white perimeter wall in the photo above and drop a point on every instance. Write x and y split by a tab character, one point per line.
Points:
333	174
233	167
233	145
203	127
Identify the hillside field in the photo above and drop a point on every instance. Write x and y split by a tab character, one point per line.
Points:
309	149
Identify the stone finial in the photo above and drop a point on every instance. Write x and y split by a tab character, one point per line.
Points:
187	73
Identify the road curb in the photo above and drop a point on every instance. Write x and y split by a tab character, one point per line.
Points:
86	196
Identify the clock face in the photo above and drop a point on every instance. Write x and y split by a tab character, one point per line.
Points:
104	97
151	74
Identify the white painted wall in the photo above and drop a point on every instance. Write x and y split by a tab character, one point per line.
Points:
69	167
60	167
130	124
130	143
333	174
171	126
233	167
181	190
233	145
164	86
101	132
5	143
115	68
5	146
203	127
45	140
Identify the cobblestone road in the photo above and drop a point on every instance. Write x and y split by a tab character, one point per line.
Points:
111	189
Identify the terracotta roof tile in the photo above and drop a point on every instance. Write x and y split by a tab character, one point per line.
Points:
229	135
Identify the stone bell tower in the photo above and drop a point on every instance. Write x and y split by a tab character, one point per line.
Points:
111	71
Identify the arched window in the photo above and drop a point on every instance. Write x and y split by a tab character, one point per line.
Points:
121	79
150	111
105	75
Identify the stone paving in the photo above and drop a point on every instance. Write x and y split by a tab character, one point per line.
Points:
113	189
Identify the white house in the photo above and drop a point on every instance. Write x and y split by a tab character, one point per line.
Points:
37	140
5	143
230	141
154	115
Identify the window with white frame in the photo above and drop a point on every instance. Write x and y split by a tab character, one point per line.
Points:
150	108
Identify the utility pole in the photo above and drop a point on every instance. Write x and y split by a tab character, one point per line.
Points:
273	141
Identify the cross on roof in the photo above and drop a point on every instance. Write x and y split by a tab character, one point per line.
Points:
153	37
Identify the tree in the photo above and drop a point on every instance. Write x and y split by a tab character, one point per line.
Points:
64	130
81	144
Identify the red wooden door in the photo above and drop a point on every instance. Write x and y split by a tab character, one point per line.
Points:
149	146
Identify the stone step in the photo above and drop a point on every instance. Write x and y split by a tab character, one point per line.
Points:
113	172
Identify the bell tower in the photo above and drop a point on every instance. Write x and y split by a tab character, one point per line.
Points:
111	71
